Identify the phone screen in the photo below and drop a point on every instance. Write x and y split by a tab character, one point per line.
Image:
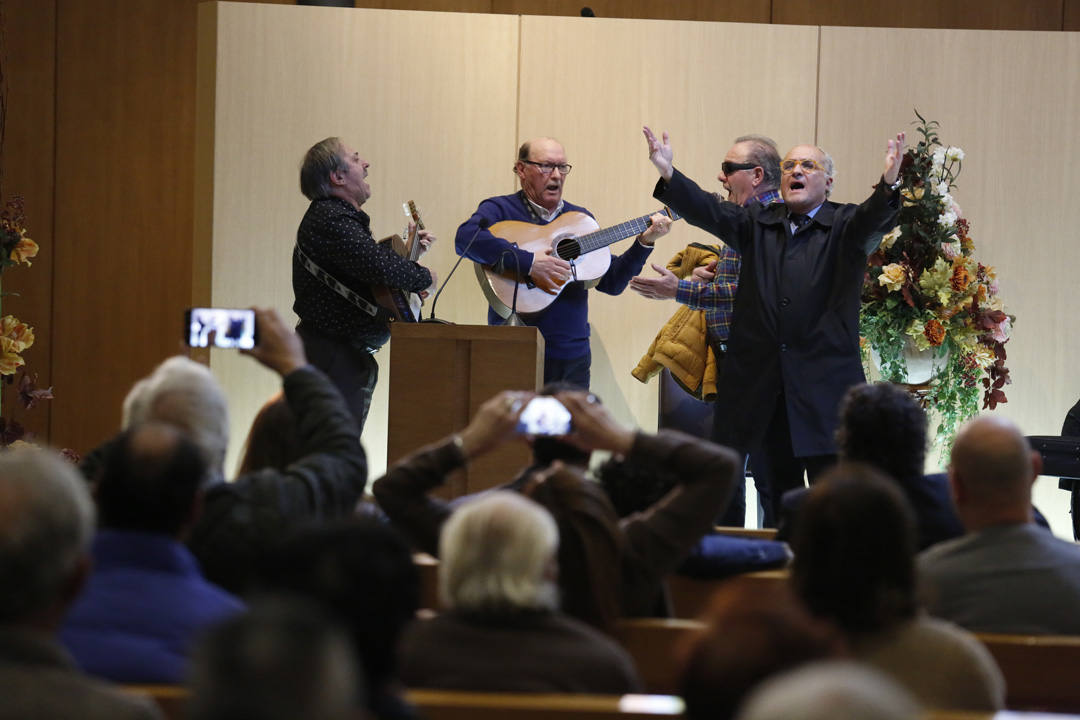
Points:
231	327
544	415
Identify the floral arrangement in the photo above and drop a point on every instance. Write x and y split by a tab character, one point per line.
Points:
924	291
16	248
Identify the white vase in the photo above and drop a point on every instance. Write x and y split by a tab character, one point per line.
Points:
922	365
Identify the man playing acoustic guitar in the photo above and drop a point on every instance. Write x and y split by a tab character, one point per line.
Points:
564	321
335	264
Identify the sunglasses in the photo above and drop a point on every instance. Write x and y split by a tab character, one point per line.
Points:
732	167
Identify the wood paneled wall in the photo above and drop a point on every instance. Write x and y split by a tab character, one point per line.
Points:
28	160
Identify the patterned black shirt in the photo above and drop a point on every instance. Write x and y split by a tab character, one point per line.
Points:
338	238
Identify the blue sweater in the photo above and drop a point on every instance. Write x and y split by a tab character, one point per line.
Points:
143	606
565	323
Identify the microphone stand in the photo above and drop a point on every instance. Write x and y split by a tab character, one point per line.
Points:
513	320
481	226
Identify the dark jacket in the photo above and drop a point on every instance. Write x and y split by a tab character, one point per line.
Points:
796	325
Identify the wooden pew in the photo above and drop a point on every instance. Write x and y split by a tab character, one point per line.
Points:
654	644
690	596
1042	672
171	699
454	705
752	533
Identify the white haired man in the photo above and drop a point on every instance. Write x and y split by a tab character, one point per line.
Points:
503	630
794	346
46	523
241	518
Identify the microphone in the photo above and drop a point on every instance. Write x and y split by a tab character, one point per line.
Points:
482	224
513	319
587	12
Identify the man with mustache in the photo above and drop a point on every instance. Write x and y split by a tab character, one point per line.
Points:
794	345
541	168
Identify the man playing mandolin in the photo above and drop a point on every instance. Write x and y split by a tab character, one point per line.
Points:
335	264
506	250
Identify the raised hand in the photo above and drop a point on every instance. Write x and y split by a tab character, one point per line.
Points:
658	288
593	427
278	347
894	155
549	272
494	423
659	152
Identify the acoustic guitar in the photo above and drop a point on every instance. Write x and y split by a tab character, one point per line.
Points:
573	236
403	305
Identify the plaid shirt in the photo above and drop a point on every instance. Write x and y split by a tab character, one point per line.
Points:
717	297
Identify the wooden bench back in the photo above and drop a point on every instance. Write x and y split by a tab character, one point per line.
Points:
453	705
1042	672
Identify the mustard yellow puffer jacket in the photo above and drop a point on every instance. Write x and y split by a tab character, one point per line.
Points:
682	345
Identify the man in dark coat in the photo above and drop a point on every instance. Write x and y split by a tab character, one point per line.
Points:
794	344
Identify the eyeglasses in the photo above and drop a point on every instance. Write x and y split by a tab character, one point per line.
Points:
733	167
807	166
546	168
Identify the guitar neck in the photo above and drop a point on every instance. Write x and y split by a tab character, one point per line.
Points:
615	233
414	242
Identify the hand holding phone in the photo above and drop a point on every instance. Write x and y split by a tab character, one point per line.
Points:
229	327
544	415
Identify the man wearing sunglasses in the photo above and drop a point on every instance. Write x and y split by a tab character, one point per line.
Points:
541	168
794	345
749	173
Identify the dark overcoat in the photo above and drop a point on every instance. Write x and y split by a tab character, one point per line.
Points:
796	323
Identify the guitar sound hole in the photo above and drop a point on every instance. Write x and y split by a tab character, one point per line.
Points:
568	249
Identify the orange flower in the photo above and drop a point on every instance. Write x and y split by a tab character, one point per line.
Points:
934	332
15	336
961	278
25	250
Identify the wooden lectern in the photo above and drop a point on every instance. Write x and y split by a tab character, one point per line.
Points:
439	377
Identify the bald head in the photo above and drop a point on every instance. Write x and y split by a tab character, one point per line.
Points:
992	468
545	188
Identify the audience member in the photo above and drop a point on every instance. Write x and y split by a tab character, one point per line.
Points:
146	599
361	571
855	566
242	518
46	524
273	440
882	425
834	690
753	632
633	489
600	555
502	630
281	661
1006	575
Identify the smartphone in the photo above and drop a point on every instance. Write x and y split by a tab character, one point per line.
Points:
232	327
544	415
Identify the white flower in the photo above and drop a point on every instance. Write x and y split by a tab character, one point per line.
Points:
947	219
951	250
954	153
942	189
938	158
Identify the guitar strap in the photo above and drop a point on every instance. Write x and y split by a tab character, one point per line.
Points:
379	313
